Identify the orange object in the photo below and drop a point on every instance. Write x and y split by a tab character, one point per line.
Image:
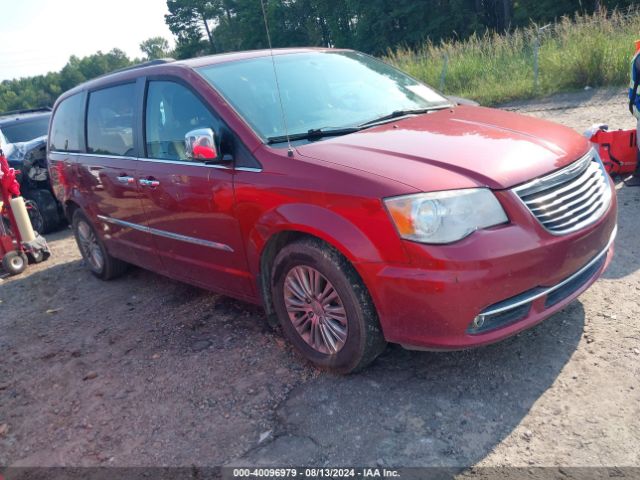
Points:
618	150
637	43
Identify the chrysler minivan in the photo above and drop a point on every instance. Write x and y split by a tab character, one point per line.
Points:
357	205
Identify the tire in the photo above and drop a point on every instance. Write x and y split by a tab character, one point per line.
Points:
345	315
95	255
36	256
14	262
43	210
37	220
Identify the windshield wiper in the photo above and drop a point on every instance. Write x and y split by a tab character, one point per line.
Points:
315	133
400	113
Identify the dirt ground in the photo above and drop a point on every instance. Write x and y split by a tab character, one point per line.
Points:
146	371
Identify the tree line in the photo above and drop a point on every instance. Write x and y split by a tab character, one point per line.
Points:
42	90
204	27
372	26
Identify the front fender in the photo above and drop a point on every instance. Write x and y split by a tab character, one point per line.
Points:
357	245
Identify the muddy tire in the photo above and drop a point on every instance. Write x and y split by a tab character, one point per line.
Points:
324	308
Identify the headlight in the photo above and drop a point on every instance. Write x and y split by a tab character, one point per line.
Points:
445	217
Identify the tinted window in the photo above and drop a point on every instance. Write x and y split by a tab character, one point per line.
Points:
171	111
25	130
110	120
67	125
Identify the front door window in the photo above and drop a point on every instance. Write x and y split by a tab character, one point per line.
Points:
171	111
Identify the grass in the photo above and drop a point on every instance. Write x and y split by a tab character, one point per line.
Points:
586	50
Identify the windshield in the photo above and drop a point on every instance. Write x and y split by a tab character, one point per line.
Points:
25	130
318	90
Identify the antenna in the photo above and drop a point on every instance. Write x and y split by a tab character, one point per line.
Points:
275	74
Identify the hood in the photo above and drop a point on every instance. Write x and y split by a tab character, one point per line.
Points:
461	147
16	152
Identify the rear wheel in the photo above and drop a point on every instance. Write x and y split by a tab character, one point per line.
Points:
37	222
93	251
43	210
324	308
14	262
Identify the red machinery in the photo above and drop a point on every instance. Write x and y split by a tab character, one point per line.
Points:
16	250
618	149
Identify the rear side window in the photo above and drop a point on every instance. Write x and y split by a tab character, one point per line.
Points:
110	120
66	128
172	110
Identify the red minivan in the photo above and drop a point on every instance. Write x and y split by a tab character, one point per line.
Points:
357	205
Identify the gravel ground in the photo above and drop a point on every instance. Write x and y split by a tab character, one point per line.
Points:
147	371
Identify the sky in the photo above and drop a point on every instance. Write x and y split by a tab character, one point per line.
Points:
39	36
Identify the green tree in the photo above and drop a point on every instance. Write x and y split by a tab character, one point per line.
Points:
155	47
373	26
42	90
187	19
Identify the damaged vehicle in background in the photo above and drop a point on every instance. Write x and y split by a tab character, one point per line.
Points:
23	139
356	204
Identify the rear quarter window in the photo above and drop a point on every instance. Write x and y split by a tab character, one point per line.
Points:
66	127
110	120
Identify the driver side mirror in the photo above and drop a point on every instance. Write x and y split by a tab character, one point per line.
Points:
200	144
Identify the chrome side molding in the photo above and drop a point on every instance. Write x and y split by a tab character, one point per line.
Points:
166	234
158	160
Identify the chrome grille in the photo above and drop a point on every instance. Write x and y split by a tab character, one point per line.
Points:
571	198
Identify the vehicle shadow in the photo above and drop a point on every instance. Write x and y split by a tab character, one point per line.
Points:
148	337
417	409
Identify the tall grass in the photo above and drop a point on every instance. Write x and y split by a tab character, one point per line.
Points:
586	50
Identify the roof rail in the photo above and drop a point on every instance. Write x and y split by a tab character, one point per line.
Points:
150	63
25	110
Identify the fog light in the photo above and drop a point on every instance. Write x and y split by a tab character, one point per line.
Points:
478	322
497	317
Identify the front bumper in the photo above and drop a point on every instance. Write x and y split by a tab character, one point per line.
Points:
523	305
507	279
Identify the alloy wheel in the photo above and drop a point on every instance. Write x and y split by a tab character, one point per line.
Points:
90	247
315	309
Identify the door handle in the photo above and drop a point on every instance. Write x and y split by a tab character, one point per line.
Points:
147	182
125	179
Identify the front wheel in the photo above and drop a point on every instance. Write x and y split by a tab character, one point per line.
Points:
324	308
